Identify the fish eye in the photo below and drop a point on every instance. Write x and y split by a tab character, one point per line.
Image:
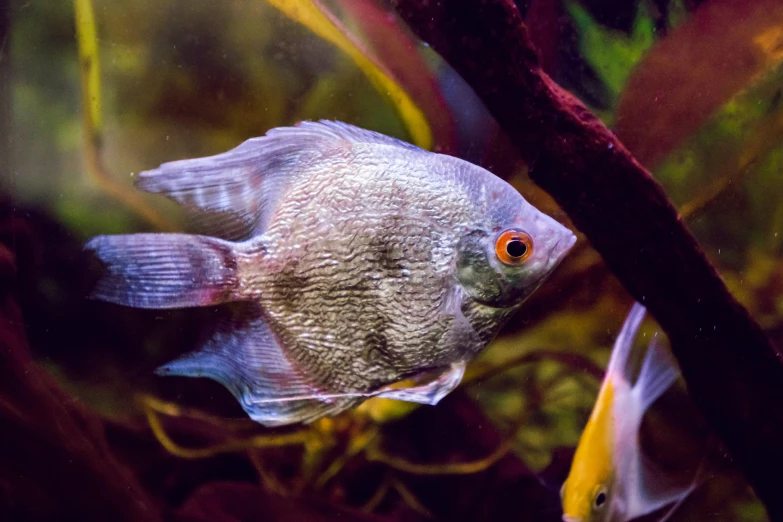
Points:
513	247
600	498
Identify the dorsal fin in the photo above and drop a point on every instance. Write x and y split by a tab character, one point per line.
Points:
338	130
658	373
231	195
619	361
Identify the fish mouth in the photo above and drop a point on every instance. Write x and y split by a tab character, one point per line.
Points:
561	248
566	518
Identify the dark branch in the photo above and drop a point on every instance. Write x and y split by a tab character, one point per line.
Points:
56	464
732	371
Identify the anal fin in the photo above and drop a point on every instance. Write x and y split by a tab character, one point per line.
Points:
244	356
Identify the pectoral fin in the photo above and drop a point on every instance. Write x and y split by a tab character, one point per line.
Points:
460	334
433	391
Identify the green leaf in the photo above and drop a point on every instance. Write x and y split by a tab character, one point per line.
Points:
612	54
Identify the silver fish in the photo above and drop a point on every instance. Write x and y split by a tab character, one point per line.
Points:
362	260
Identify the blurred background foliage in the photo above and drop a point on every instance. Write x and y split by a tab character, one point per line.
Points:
693	88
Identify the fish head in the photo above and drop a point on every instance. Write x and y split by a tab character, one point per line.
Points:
511	251
590	494
595	504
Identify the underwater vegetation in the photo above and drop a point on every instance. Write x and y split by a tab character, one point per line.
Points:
652	129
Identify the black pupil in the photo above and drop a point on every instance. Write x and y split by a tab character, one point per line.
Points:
516	248
600	499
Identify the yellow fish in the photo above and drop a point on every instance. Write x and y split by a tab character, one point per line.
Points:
610	478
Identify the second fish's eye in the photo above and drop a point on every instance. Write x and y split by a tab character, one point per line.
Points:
513	247
600	499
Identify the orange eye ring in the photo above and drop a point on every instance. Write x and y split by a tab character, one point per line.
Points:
513	247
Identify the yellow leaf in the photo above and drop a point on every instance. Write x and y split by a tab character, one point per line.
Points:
90	73
87	38
317	18
770	42
383	410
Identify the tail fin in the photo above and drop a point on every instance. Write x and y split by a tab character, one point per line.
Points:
165	270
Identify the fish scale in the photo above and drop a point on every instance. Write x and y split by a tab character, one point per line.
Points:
350	302
353	291
359	261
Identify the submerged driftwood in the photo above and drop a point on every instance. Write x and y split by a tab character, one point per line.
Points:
732	371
